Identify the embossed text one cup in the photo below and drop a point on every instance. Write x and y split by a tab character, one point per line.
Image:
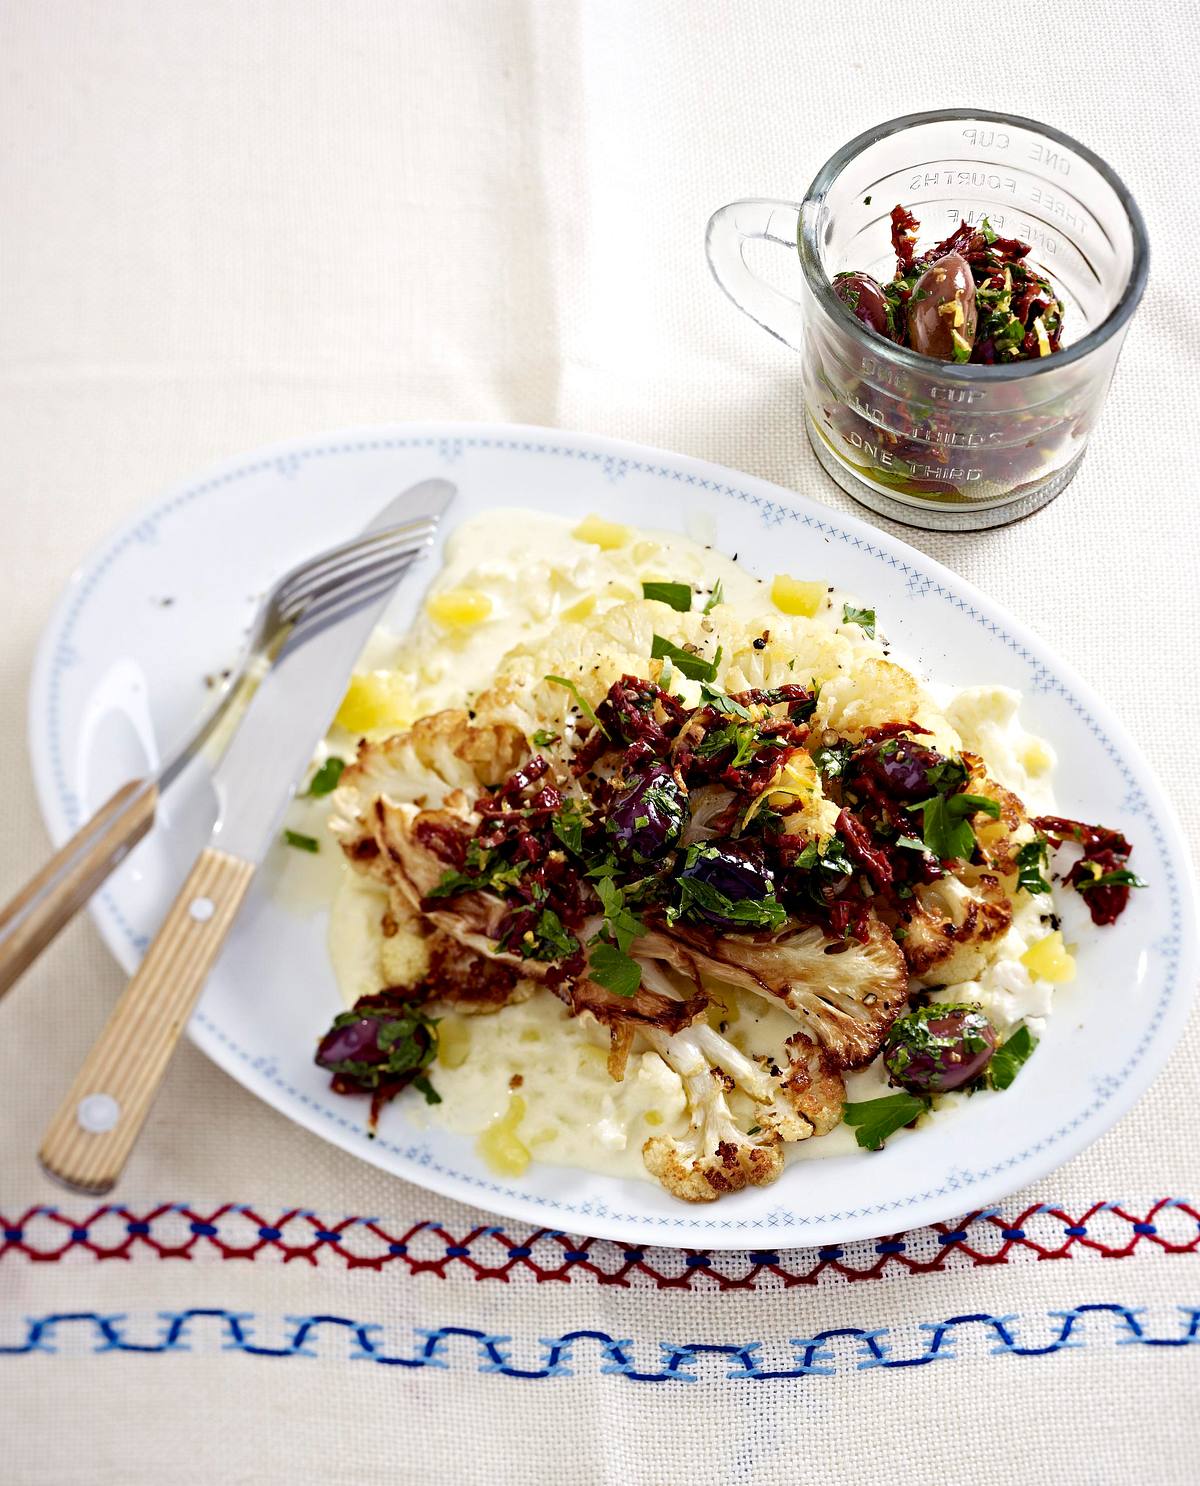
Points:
932	442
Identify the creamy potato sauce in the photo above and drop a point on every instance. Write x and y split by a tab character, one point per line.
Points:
532	1065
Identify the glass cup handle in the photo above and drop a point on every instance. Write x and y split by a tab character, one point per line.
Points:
725	243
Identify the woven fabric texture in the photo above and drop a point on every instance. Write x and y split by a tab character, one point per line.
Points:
222	225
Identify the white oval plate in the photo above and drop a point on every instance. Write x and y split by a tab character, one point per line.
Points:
166	601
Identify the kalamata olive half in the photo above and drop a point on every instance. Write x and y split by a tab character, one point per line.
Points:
646	819
863	296
898	766
737	875
939	1048
353	1041
384	1040
942	315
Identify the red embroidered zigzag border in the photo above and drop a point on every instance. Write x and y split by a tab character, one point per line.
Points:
235	1231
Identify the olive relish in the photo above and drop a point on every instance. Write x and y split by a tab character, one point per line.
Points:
773	875
613	855
970	298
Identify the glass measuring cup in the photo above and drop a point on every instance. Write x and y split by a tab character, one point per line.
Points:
933	443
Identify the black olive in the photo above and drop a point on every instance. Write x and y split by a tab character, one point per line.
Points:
939	1048
942	314
863	296
738	873
899	766
646	819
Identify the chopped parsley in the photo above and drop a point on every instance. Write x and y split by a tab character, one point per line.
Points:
947	776
486	871
609	962
325	780
1007	1060
567	825
689	665
614	969
832	857
301	842
551	941
1031	858
677	596
832	760
722	702
828	866
739	736
717	596
580	700
946	830
623	925
864	618
544	737
1121	877
875	1119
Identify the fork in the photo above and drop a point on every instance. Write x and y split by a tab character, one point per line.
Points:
319	590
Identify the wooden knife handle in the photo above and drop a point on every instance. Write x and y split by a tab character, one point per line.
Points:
97	1124
51	899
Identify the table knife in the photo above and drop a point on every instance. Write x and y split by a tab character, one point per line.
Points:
92	1134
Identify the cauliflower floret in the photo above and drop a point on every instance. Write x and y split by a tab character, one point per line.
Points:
440	753
846	997
955	926
795	651
714	1156
952	927
1001	837
591	657
986	717
802	1099
411	953
775	1112
812	1084
404	948
874	692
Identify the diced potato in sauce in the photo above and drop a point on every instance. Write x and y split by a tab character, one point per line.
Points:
606	535
459	608
1049	959
796	596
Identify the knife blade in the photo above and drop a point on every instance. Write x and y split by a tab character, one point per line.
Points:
294	704
97	1124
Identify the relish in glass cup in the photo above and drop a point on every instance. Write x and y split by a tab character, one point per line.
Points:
930	442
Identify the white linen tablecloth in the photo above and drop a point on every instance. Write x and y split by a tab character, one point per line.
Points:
222	224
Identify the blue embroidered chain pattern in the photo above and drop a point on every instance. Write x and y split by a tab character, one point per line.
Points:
339	1338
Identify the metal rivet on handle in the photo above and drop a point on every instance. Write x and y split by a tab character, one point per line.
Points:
98	1113
201	909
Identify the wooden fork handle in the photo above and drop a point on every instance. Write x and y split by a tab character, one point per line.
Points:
51	899
91	1136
